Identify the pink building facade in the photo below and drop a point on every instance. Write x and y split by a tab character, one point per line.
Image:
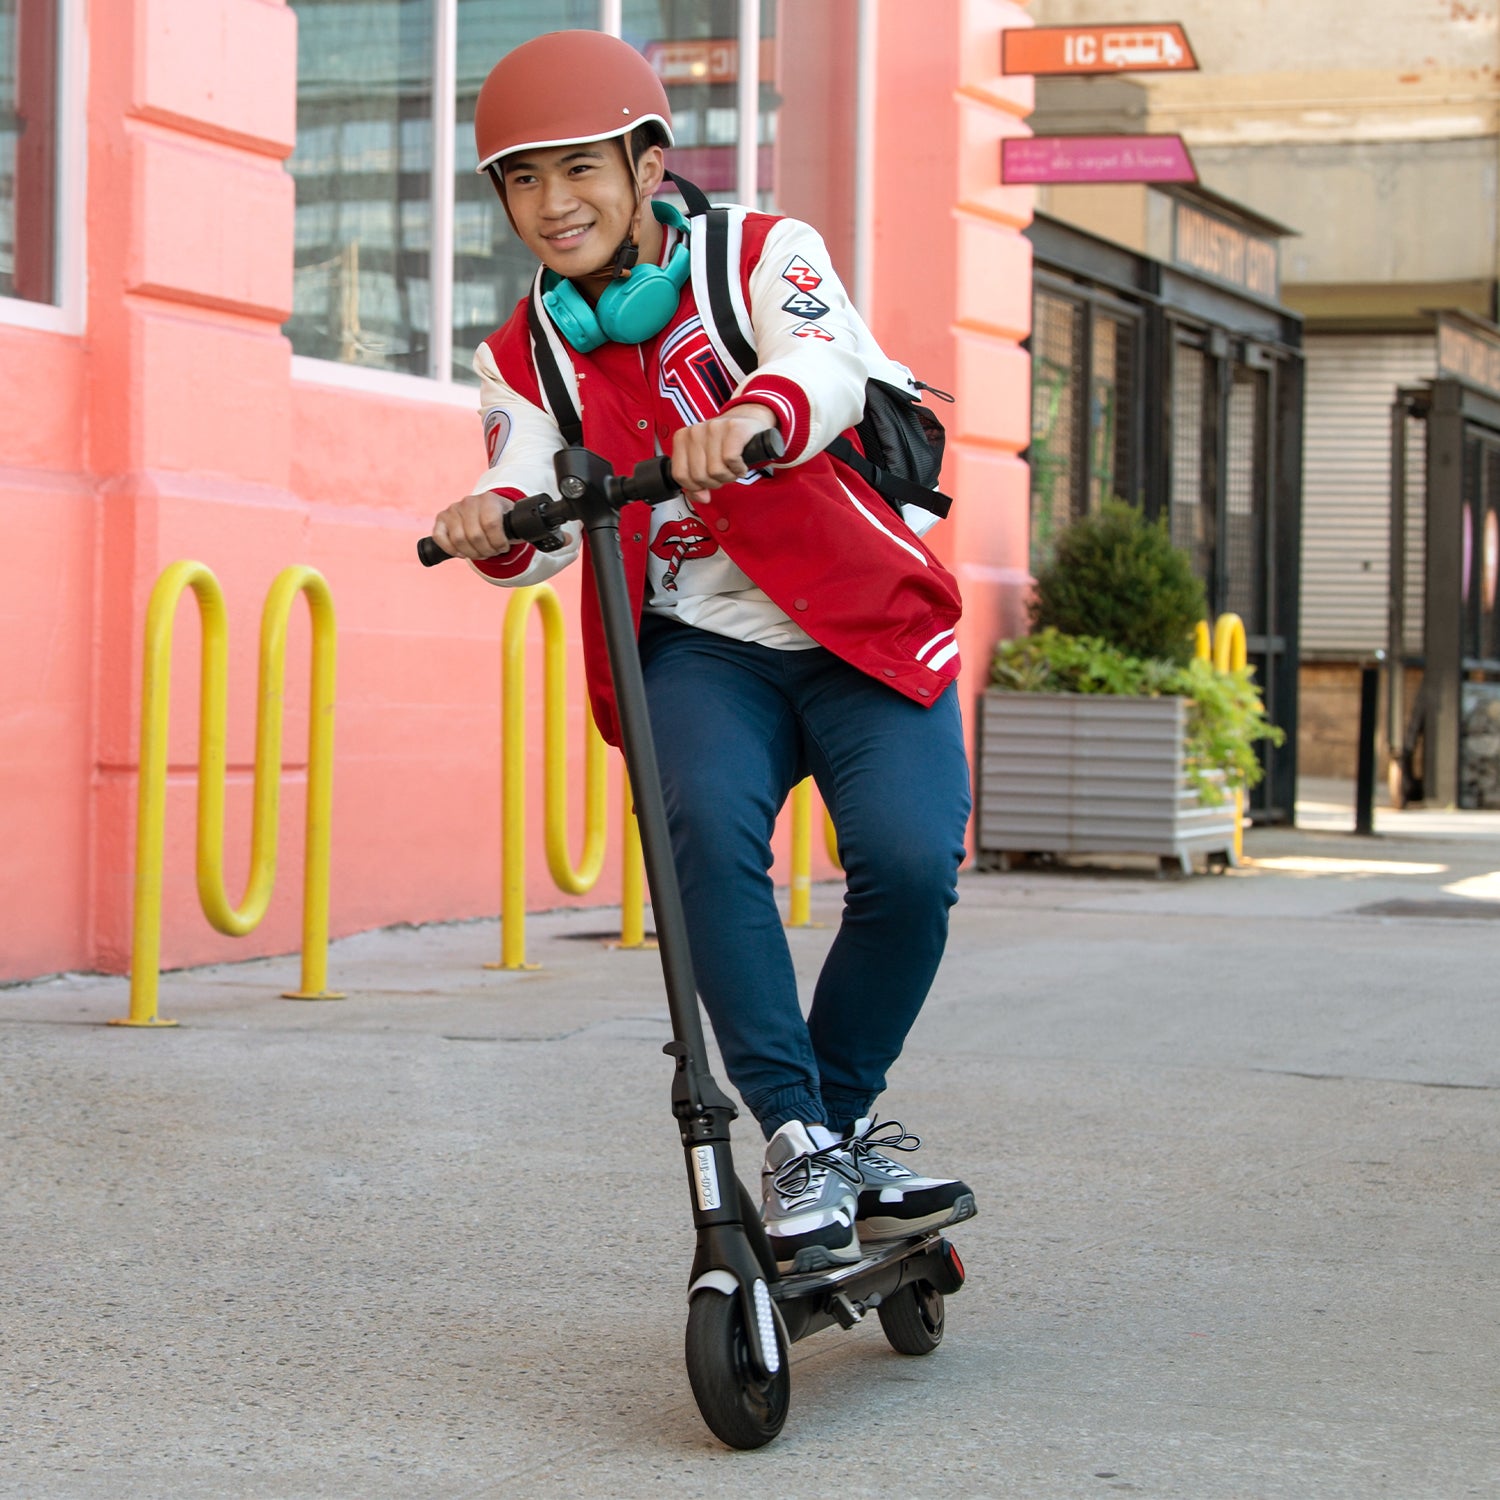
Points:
194	363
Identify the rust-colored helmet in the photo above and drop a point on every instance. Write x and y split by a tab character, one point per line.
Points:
564	87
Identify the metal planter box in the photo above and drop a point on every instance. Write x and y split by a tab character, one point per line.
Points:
1070	773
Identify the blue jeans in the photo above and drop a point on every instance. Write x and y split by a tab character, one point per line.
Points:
737	726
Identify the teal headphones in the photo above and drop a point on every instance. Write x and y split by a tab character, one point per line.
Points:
629	311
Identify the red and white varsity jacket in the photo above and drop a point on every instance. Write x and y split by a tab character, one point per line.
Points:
808	555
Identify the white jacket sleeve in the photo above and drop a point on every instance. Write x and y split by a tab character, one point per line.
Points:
520	439
813	342
807	333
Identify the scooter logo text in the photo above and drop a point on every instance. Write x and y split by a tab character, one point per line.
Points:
706	1178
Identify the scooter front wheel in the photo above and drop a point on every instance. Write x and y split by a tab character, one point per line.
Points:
742	1406
912	1318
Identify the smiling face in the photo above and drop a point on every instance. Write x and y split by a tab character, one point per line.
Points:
573	205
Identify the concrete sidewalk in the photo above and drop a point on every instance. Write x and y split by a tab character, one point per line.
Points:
1234	1139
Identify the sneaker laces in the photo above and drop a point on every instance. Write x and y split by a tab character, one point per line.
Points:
879	1137
797	1177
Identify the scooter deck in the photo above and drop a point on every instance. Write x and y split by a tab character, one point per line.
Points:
799	1284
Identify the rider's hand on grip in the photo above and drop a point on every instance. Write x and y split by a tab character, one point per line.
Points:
538	519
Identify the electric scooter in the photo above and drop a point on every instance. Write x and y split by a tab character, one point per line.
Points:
743	1313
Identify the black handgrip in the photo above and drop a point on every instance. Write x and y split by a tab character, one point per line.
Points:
764	448
652	478
529	520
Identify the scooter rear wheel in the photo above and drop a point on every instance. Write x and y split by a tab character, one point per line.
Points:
741	1406
912	1318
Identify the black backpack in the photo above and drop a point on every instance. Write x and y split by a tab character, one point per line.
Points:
903	440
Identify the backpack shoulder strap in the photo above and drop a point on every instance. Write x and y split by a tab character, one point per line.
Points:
892	487
715	251
692	195
554	368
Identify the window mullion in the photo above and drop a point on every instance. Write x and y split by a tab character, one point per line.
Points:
864	158
747	160
444	109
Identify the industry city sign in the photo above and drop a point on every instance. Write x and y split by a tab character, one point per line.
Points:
1468	349
1050	51
1228	252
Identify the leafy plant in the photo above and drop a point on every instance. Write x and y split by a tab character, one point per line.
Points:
1225	714
1118	577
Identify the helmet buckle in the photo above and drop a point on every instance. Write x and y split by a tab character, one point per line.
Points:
625	259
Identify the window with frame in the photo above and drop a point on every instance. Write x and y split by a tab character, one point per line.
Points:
29	87
1085	409
1056	419
694	47
404	259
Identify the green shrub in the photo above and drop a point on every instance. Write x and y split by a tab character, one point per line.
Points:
1118	577
1225	714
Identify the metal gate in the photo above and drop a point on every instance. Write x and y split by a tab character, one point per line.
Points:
1233	442
1184	396
1445	748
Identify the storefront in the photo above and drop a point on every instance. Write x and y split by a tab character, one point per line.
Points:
244	259
1443	646
1177	384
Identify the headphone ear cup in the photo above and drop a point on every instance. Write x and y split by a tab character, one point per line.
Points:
633	311
638	308
574	319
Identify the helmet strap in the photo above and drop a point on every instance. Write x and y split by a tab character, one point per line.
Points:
629	252
626	257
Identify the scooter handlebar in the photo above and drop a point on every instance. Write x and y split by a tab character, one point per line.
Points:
529	519
652	479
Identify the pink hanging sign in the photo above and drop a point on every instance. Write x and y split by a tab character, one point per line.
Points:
1095	158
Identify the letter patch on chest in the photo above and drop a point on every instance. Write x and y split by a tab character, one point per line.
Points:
690	375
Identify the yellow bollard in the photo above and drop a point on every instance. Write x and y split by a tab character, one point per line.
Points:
831	841
1202	645
799	903
145	966
632	876
1231	655
542	597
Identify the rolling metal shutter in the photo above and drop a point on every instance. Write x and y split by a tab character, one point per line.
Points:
1351	382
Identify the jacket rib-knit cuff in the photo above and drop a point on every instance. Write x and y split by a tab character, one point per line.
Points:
517	560
788	400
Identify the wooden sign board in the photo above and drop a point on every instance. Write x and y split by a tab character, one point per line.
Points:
1048	51
1206	242
1469	349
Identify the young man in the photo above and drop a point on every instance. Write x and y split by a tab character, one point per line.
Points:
789	623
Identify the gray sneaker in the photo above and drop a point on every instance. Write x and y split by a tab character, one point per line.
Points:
807	1201
893	1200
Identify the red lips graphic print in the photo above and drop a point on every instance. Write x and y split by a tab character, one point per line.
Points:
677	541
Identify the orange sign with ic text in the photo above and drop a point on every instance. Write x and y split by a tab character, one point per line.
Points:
1141	47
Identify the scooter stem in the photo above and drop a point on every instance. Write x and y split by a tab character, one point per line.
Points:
583	478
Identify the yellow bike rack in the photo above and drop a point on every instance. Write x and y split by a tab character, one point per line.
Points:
580	879
799	905
575	880
1226	649
145	964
